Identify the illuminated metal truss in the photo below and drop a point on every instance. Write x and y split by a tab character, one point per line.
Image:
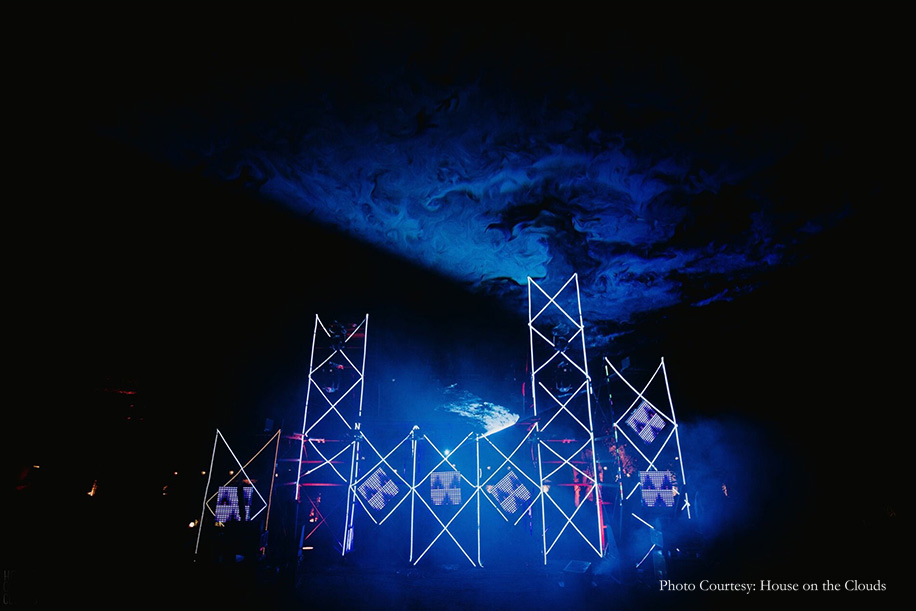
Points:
336	453
440	487
382	489
262	504
510	485
330	438
446	490
560	481
562	402
424	484
650	427
546	470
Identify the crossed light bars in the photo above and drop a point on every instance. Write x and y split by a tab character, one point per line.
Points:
561	399
650	431
219	513
379	489
509	494
383	489
443	469
329	413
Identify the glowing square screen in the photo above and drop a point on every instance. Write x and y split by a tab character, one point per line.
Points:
227	504
378	489
510	493
646	422
445	488
657	488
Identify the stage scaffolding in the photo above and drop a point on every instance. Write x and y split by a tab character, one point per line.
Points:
561	393
245	495
547	473
329	449
543	471
341	469
653	485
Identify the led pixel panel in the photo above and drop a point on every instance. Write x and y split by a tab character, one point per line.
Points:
646	422
510	493
378	489
657	488
445	488
227	504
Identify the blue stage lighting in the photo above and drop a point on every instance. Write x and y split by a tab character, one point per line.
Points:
378	489
445	488
646	422
657	488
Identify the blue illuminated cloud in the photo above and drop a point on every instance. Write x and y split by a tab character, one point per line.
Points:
485	416
643	183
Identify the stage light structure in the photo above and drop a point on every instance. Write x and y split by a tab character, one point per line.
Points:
337	334
510	493
651	415
650	421
561	396
331	437
228	505
445	487
646	422
657	488
450	482
389	483
329	377
226	498
378	489
566	378
513	484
